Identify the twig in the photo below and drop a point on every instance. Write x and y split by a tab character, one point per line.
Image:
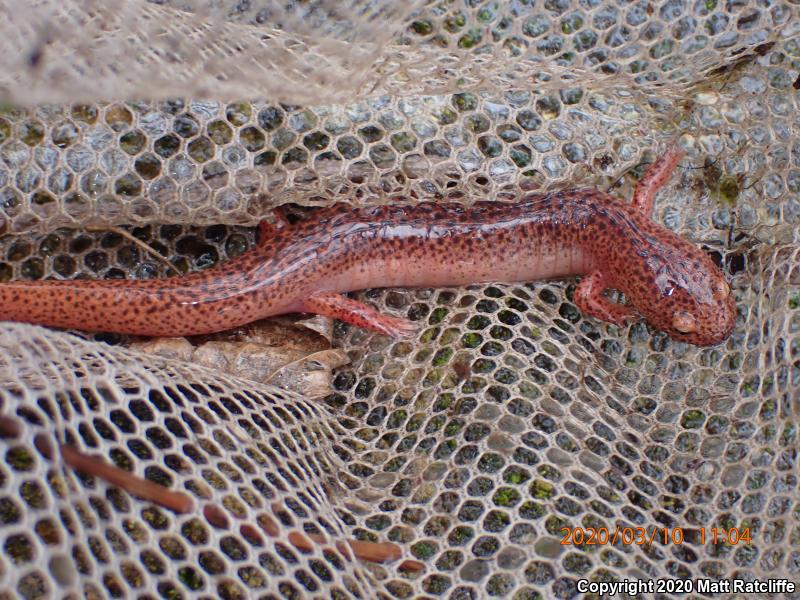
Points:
97	467
147	490
628	170
182	503
146	247
705	165
379	552
649	162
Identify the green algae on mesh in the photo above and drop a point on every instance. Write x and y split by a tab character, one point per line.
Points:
455	21
488	13
155	517
436	584
191	578
555	525
728	189
571	23
424	550
239	113
465	101
521	155
443	402
10	512
195	532
541	490
662	49
442	356
403	141
19	459
33	495
506	496
220	132
201	149
532	510
19	549
422	27
5	130
429	335
31	132
437	315
446	116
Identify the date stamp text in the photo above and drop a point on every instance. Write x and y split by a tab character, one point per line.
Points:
646	536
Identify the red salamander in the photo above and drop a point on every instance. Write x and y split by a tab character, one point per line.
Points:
305	267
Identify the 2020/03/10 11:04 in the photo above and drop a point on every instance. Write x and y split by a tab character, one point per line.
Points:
645	536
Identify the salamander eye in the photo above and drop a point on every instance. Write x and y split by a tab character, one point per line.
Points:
684	322
723	289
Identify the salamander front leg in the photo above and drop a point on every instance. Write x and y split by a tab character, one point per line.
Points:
654	178
590	300
356	313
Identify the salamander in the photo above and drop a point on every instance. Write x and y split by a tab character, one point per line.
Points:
307	266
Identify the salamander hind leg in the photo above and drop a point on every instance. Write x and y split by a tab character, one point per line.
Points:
590	300
653	180
351	311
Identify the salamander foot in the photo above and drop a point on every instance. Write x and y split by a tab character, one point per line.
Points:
644	196
590	300
336	306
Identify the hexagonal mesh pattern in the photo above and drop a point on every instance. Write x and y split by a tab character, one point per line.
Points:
546	96
511	415
257	455
517	417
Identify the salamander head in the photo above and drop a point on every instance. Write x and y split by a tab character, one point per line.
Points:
678	289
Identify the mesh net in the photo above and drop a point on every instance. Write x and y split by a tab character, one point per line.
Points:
510	416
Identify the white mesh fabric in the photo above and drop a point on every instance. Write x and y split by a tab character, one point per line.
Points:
511	415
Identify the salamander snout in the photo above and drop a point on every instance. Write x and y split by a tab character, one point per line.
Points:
703	323
702	313
688	298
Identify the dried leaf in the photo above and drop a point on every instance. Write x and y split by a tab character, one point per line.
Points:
291	354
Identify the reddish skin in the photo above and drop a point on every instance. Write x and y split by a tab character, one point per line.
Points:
306	266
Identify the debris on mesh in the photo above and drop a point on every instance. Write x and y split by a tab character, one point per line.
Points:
288	353
241	473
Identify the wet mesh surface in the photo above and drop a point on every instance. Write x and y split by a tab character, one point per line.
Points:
510	416
257	456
